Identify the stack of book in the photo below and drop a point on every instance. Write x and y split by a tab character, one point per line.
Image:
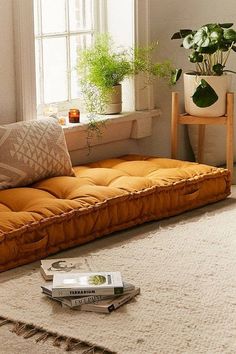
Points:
94	291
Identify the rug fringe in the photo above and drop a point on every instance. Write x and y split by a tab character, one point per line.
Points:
28	331
44	336
57	341
89	351
19	328
4	322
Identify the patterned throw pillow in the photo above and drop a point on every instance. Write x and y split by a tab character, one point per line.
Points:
31	151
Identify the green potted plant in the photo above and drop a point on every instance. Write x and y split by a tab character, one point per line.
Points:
206	86
103	66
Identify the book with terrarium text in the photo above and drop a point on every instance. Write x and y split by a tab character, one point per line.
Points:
82	284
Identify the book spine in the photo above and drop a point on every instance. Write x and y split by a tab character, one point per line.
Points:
126	298
60	292
88	300
115	304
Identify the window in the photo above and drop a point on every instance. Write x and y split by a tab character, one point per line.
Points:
126	20
62	28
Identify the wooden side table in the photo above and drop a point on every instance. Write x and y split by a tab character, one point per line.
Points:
186	119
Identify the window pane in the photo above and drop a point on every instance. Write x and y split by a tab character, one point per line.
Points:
77	42
80	14
53	16
55	69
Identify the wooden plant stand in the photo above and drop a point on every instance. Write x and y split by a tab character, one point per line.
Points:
186	119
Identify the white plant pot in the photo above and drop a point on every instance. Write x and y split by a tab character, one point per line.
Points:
221	85
115	104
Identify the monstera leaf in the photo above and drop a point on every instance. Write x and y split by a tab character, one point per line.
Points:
226	25
195	57
188	41
205	95
230	34
218	69
175	75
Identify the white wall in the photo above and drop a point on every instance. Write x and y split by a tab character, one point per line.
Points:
167	17
105	151
7	74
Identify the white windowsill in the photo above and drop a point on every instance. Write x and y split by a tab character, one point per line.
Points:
128	125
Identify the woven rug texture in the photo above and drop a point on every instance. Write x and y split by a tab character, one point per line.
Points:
186	268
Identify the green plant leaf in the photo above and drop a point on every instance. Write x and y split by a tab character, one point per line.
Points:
224	46
202	37
218	69
188	41
216	35
230	34
205	95
181	34
176	35
195	57
175	75
208	50
185	32
226	25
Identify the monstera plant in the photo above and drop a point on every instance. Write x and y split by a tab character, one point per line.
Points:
210	47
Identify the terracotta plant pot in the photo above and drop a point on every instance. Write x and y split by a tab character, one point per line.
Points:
221	85
115	105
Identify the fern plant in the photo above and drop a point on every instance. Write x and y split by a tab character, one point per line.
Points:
103	66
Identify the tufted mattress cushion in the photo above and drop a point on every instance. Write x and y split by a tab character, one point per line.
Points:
104	197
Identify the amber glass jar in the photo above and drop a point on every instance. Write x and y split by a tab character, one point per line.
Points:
74	115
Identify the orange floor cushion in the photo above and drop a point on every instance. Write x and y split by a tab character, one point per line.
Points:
107	196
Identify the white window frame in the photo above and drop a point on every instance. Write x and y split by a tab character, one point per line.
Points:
25	54
97	21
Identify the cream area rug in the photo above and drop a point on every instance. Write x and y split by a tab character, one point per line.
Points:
186	268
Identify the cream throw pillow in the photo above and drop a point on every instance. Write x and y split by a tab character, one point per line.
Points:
31	151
